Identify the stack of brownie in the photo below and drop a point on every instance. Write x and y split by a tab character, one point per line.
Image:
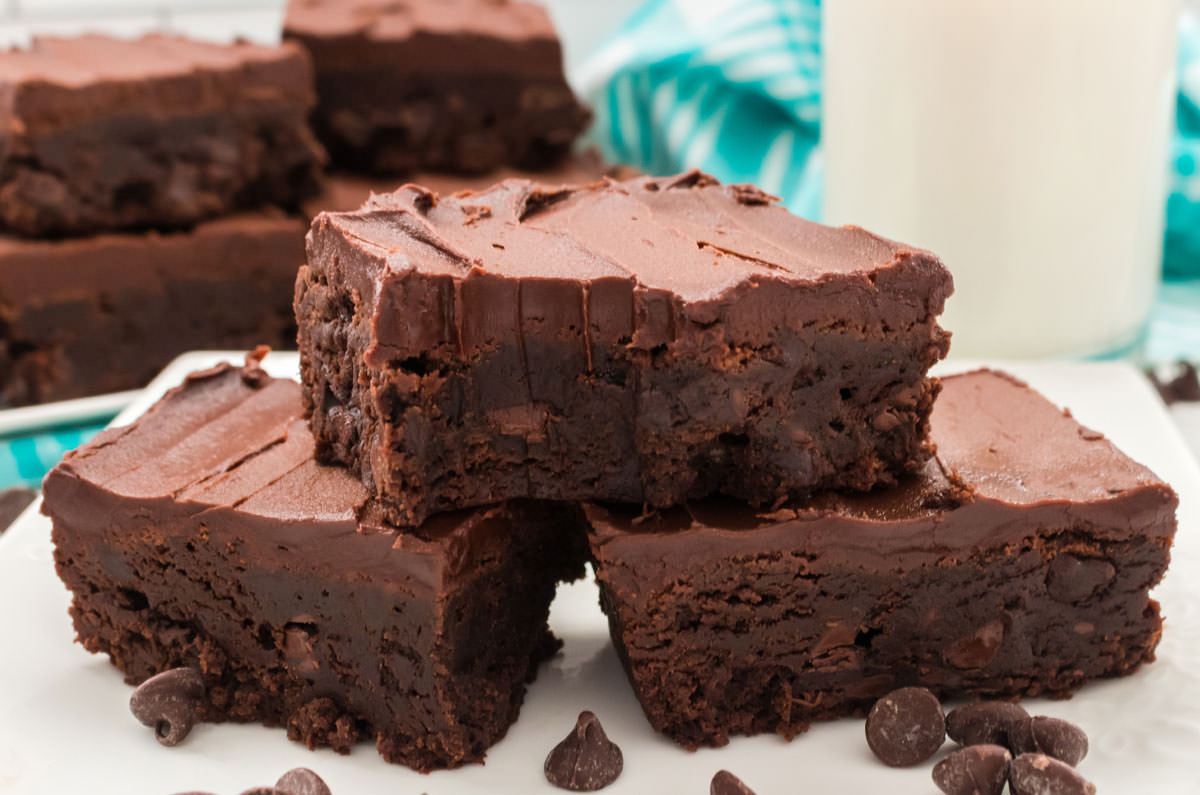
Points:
729	405
450	94
144	191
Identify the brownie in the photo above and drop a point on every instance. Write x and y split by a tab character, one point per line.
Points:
343	191
206	535
647	341
84	316
449	85
103	134
1016	563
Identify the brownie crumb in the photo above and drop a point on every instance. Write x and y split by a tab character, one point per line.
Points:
252	372
585	760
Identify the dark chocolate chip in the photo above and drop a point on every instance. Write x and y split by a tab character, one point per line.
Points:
1076	579
1038	774
586	759
1054	737
12	502
974	770
169	702
301	781
262	791
1185	386
725	783
987	722
906	727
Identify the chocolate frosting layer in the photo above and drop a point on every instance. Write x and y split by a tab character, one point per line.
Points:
519	35
57	82
1009	465
689	248
228	449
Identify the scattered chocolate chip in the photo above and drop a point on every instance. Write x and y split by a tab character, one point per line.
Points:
906	727
1054	737
1184	387
974	770
586	759
262	791
301	781
12	502
987	722
725	783
168	702
1038	774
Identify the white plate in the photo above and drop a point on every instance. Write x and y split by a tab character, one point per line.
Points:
65	725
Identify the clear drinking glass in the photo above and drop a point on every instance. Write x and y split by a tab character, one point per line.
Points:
1024	141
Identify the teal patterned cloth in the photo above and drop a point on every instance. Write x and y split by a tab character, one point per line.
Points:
25	459
734	87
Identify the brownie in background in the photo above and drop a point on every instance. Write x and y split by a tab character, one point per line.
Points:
105	313
1017	563
157	132
206	535
461	86
647	341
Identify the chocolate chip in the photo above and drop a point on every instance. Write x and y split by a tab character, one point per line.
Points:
169	702
974	770
906	727
725	783
1038	774
1074	579
987	722
586	759
262	791
301	781
1054	737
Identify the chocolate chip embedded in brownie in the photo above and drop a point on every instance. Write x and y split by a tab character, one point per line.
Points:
1016	563
160	131
449	85
653	340
206	535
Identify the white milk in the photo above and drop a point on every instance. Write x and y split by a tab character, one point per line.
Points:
1024	141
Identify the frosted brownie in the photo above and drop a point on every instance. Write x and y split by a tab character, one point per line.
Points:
648	341
449	85
1016	563
100	314
206	535
344	191
161	131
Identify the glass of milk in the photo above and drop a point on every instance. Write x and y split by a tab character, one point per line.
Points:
1025	142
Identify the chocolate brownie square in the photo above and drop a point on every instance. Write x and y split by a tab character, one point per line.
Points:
1016	563
449	85
206	535
160	131
648	341
98	314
